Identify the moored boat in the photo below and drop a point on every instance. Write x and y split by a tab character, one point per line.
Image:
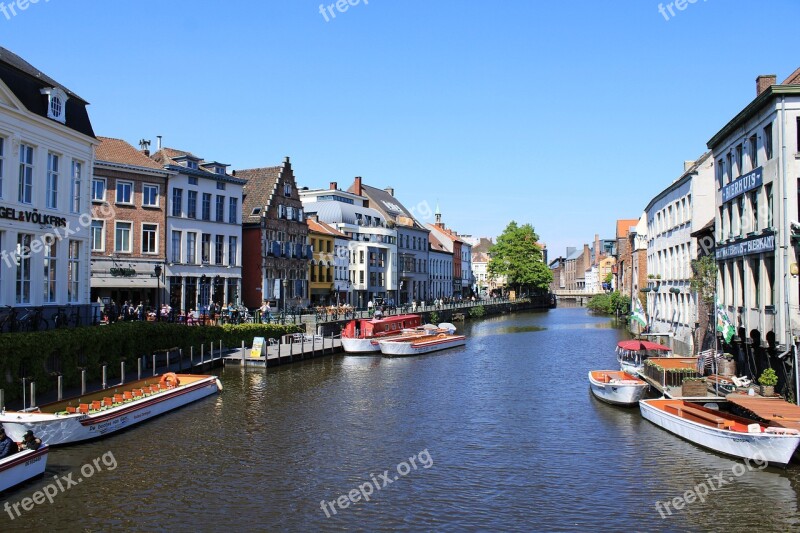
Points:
722	432
616	387
631	354
362	335
429	340
106	411
22	466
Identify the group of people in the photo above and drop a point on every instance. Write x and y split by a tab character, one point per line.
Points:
9	447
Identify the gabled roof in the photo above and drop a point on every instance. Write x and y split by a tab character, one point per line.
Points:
261	184
483	246
170	158
118	151
26	82
436	245
325	229
480	257
577	253
624	226
387	204
447	233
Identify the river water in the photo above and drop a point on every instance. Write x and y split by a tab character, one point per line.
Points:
501	435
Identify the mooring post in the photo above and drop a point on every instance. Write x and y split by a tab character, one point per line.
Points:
2	400
139	367
220	342
202	353
83	381
220	347
60	389
331	342
154	364
121	372
180	358
191	356
167	367
33	394
105	367
24	393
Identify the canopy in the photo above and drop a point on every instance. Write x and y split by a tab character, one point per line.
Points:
638	345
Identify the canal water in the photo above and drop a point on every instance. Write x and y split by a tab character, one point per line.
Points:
501	435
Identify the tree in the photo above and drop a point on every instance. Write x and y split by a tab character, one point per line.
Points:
518	256
704	281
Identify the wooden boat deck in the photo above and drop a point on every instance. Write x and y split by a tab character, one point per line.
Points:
607	376
777	412
702	415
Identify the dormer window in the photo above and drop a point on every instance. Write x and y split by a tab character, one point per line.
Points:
191	164
56	104
220	170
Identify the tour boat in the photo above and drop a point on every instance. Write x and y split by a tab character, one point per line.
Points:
431	340
22	466
632	354
616	387
723	432
106	411
362	335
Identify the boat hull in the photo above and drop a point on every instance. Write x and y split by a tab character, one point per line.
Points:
409	348
22	466
626	394
777	449
360	345
55	429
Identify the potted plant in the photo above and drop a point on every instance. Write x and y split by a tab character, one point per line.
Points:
768	380
726	366
694	387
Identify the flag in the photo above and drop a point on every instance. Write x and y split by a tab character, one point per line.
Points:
638	313
724	324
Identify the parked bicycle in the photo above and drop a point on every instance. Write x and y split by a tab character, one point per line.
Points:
34	320
9	323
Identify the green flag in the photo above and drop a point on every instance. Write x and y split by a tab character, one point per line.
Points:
724	324
638	314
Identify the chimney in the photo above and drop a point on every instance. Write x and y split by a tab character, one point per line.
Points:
357	186
390	190
286	159
596	249
334	186
144	146
687	165
158	145
764	82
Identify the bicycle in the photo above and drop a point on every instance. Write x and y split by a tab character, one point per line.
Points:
60	319
34	320
9	322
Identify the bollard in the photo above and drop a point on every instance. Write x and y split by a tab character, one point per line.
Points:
211	350
191	356
33	394
121	372
60	389
104	376
154	364
242	351
138	368
291	351
83	381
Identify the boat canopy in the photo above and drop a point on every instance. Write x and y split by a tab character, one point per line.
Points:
637	345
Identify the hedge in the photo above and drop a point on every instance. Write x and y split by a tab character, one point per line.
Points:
41	355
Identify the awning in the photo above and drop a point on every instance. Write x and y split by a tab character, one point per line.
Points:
637	345
125	283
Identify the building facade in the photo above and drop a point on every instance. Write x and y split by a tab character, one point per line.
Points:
204	231
672	216
129	226
275	265
441	269
46	157
328	270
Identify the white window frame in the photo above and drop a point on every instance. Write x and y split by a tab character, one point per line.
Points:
155	186
73	272
157	228
172	254
116	192
130	236
23	264
51	181
75	186
26	172
102	235
50	264
2	162
104	182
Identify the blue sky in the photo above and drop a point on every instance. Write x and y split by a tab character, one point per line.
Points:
567	115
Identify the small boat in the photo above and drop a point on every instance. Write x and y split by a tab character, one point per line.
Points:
722	432
103	412
428	339
22	466
616	387
362	335
632	354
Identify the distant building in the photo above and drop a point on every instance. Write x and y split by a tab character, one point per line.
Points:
462	256
328	271
441	269
622	270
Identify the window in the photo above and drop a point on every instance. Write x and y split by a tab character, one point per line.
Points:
25	178
177	202
122	237
191	248
720	173
753	146
191	164
192	180
73	271
232	251
769	268
98	190
742	220
149	195
754	211
220	208
768	142
768	192
2	161
361	257
51	198
220	186
287	190
98	235
206	206
23	258
219	249
205	249
191	204
149	238
50	270
755	273
176	247
729	167
124	192
739	160
75	187
233	209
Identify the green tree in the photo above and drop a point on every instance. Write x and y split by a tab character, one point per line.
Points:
518	256
609	303
704	280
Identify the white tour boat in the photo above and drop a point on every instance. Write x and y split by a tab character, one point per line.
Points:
22	466
631	354
616	387
362	335
108	410
432	340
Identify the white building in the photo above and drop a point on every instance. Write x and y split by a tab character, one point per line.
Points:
372	245
441	269
46	159
672	216
204	231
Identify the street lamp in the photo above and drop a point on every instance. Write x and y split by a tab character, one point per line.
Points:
157	271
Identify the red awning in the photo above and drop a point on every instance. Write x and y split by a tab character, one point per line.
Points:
637	345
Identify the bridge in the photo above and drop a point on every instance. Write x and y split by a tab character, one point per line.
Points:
580	296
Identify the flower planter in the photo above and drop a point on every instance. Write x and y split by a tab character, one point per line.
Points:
694	388
726	367
767	390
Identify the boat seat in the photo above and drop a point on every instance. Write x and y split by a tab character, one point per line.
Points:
119	398
108	402
127	395
83	408
70	409
136	393
721	423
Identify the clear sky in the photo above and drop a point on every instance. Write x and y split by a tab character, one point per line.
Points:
565	114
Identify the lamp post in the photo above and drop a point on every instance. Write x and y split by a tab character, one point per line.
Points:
157	272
